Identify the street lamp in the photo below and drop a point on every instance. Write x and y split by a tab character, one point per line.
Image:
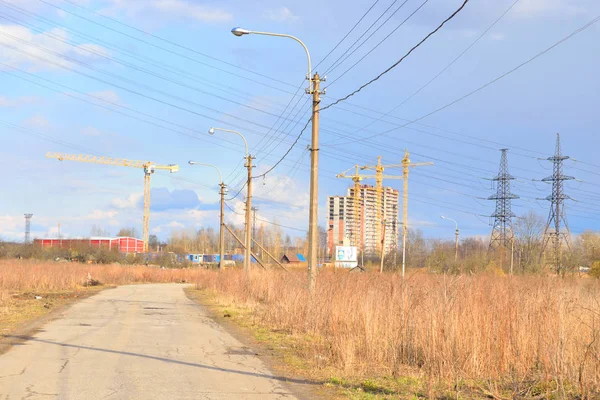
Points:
248	246
314	90
222	216
456	242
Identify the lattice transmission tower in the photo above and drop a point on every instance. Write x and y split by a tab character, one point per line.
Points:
553	234
28	227
502	231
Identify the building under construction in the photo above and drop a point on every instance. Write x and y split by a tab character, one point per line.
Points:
347	226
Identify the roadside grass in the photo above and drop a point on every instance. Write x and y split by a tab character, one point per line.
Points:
60	283
440	337
18	308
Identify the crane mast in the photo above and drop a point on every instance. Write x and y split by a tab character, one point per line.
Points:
358	214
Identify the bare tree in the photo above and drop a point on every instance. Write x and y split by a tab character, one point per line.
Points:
529	235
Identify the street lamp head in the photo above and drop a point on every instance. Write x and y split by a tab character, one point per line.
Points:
442	217
211	131
240	31
191	162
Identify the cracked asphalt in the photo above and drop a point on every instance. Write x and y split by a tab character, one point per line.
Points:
136	342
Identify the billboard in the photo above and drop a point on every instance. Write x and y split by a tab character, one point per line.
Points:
346	257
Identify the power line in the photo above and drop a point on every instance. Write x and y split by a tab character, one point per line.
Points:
348	33
333	67
400	60
161	39
439	73
380	43
371	81
577	31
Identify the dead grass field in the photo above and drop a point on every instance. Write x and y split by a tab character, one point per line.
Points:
465	337
61	283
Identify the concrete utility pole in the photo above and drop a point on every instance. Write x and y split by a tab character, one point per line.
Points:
254	210
248	157
223	190
456	238
382	248
313	219
222	228
406	164
248	252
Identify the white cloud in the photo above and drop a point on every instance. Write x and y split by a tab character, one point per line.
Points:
18	101
536	8
23	48
91	131
498	36
100	215
37	121
131	202
109	96
281	14
178	9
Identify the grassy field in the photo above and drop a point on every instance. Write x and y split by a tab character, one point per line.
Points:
438	337
370	335
57	284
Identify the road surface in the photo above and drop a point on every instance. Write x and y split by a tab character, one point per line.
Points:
136	342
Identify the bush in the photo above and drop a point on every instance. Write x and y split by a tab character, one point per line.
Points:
595	270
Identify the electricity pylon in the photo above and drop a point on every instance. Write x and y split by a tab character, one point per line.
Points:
557	215
357	222
147	166
28	227
502	231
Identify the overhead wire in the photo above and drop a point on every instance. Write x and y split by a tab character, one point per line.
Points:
480	88
378	44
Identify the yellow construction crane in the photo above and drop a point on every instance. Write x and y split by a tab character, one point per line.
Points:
357	178
379	189
405	165
147	166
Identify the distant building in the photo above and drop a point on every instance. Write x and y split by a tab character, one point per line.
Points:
126	245
292	259
341	218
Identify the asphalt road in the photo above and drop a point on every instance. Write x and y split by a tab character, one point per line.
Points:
136	342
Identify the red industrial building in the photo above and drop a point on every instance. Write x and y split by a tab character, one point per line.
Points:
127	245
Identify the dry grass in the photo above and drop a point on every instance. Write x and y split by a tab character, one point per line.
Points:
61	283
521	336
34	275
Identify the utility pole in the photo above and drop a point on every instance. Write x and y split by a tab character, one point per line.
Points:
382	248
248	250
28	227
557	215
222	227
502	230
406	164
313	218
456	233
254	210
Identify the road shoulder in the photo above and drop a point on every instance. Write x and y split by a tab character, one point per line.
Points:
273	353
27	315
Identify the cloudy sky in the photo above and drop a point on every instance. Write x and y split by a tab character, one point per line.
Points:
145	79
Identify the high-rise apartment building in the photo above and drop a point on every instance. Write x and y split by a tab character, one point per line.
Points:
350	227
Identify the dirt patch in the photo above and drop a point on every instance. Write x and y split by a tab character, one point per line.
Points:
24	314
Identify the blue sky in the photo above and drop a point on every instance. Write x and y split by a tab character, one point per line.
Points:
76	82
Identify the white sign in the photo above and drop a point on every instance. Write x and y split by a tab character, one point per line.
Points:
346	256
